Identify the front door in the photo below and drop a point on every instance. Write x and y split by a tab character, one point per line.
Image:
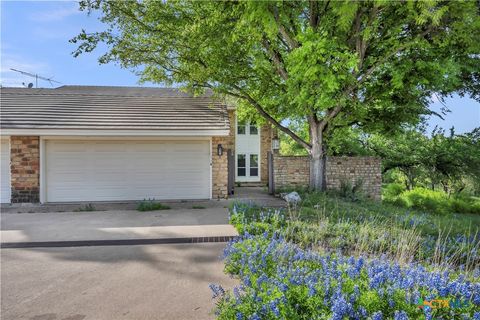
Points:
247	152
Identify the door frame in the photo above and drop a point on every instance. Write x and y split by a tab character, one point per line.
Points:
247	178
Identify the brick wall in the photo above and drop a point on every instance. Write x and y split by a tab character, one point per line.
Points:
25	168
291	171
295	171
220	163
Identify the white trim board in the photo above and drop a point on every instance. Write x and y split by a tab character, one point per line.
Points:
113	133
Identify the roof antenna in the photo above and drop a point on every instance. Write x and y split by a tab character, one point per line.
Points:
36	76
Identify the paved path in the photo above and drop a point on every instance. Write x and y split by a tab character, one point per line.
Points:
115	225
102	283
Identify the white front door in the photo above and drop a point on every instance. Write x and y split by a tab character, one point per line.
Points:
247	152
5	171
103	170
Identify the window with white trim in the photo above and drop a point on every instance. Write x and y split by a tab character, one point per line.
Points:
241	165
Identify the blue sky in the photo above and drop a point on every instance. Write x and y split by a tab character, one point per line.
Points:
34	38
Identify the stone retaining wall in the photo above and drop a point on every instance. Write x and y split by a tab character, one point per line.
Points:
295	171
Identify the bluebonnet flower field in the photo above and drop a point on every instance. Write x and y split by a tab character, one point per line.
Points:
280	280
337	267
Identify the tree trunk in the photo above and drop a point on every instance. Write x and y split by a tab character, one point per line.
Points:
317	158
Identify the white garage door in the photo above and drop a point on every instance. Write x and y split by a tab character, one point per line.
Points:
5	171
126	170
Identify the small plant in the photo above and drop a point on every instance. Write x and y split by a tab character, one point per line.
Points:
351	191
151	205
86	208
198	207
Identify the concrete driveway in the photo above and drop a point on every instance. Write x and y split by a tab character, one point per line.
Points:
117	282
115	225
158	281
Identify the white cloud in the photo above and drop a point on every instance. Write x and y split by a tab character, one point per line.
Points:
57	14
9	78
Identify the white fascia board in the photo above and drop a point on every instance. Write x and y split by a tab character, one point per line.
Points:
113	133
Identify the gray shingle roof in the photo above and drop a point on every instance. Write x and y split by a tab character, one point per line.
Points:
118	108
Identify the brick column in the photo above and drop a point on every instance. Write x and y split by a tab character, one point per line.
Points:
25	168
265	147
219	169
220	163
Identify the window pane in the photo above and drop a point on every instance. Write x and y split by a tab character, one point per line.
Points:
241	128
241	161
254	161
253	172
253	129
241	172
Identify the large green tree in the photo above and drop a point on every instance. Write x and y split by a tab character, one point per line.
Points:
331	64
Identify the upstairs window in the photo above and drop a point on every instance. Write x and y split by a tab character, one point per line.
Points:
241	128
253	129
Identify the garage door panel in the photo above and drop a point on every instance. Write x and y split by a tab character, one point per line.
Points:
127	170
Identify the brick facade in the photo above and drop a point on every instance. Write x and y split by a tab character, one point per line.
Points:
25	168
295	171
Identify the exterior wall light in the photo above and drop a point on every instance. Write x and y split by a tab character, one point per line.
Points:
275	144
219	150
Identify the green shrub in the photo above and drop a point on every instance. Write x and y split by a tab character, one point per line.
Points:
392	190
425	199
435	201
151	205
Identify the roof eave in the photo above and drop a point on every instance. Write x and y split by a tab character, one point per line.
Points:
114	132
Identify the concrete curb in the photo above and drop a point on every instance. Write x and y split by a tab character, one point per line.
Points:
123	242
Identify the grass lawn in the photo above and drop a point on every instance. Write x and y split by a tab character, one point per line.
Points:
337	208
329	223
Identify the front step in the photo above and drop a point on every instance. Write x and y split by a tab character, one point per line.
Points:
250	184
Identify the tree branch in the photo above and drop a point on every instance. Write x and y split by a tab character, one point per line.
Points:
276	58
292	43
314	17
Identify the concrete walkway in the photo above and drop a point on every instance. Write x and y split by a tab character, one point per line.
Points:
115	225
257	195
